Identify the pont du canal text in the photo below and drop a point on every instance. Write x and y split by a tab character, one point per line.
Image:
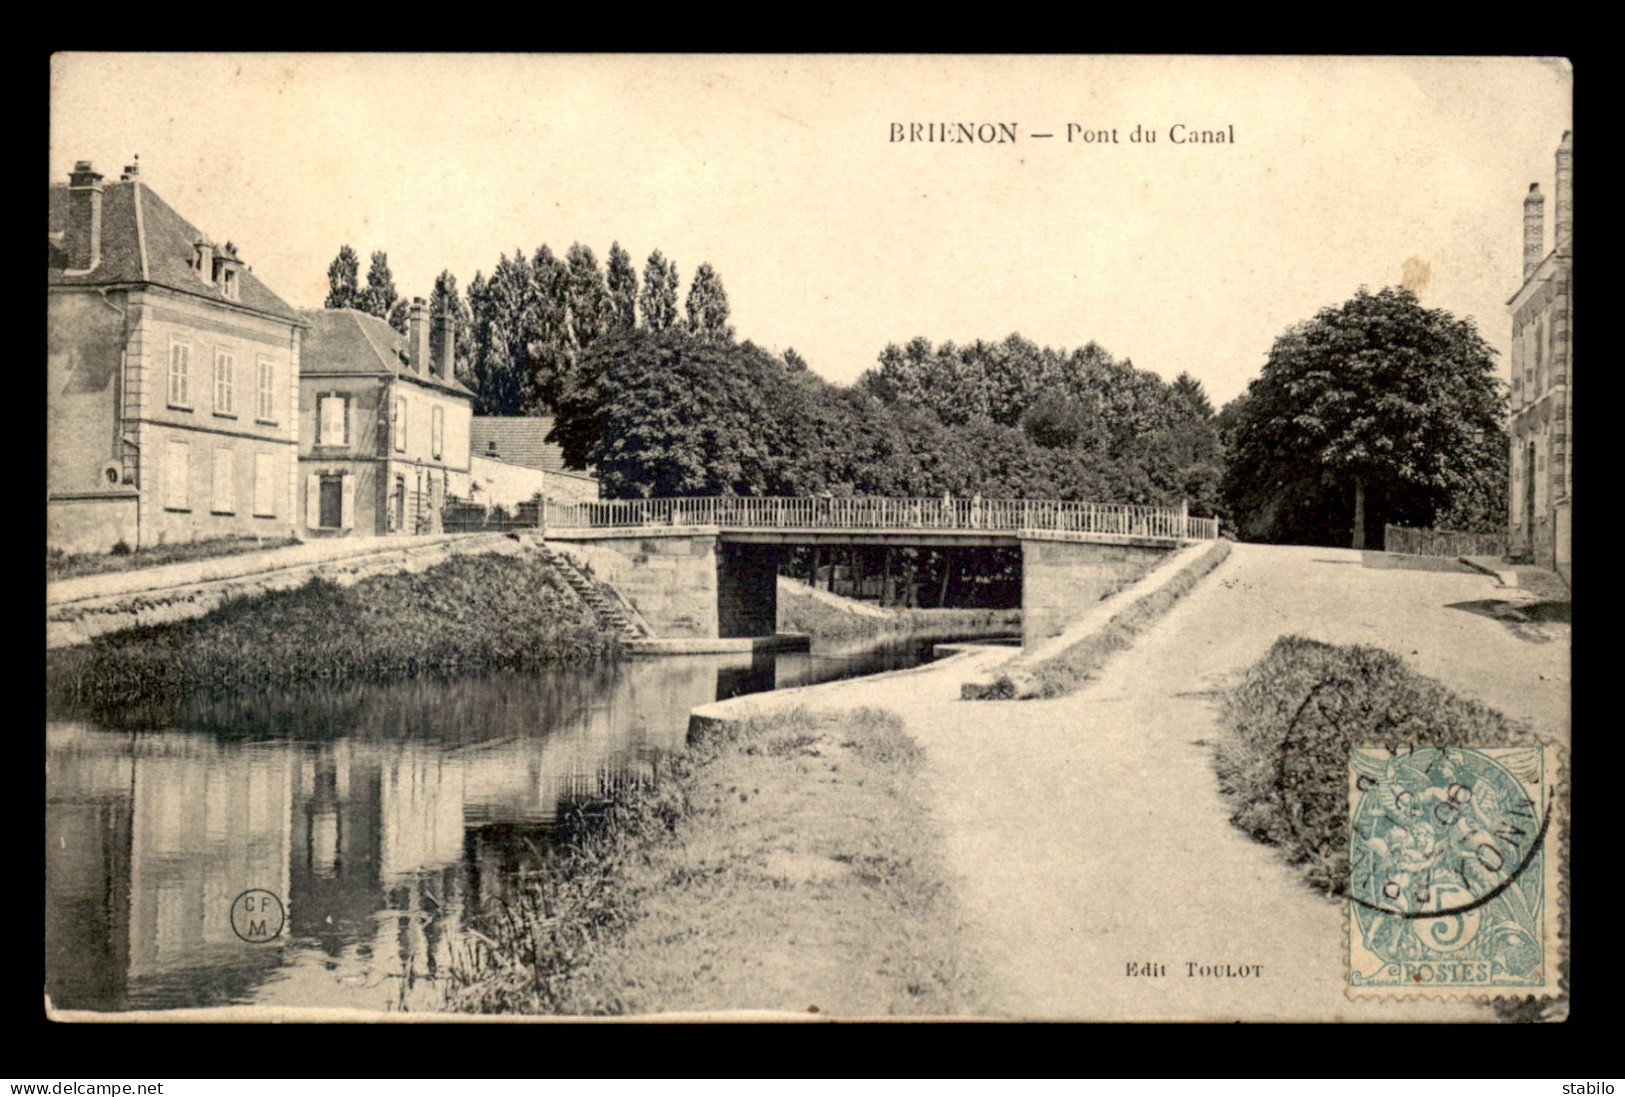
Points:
1072	133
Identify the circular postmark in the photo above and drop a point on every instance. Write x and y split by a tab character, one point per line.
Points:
1439	831
257	916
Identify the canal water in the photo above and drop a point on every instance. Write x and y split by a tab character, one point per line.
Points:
377	816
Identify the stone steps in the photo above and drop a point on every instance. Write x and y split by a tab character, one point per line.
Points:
607	609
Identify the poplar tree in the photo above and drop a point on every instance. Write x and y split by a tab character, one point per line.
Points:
343	279
658	299
623	290
380	295
707	307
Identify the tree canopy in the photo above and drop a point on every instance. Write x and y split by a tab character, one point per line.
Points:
1377	410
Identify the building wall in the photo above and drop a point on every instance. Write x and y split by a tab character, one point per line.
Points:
94	424
564	487
84	351
357	454
503	484
1542	413
390	441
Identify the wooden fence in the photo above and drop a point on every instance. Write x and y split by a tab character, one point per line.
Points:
878	513
1442	542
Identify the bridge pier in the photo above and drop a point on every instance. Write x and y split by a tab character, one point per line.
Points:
1061	579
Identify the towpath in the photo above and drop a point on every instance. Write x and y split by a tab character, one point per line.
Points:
1088	833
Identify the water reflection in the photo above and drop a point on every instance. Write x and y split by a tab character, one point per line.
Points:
379	814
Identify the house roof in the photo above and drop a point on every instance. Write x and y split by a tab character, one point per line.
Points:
145	241
351	341
519	440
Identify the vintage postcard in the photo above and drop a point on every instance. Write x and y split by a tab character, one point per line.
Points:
808	537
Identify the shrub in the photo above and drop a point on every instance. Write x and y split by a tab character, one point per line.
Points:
121	547
1292	721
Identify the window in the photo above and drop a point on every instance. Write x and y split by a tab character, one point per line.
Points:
225	366
265	401
180	366
437	431
400	424
265	485
177	475
225	482
332	419
229	283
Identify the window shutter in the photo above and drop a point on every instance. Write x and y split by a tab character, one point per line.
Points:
348	512
346	422
313	501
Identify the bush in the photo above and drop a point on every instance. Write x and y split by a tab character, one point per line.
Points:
1292	721
121	547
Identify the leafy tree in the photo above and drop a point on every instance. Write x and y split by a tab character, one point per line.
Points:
398	315
707	307
1376	410
663	413
658	299
792	360
623	290
1189	390
380	295
343	279
1058	420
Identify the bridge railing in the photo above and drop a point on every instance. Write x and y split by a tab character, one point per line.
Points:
882	513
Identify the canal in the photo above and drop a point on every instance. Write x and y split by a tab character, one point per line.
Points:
379	816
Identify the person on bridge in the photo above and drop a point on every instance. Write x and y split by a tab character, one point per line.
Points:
947	508
976	511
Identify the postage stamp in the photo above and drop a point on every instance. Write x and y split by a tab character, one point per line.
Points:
1453	871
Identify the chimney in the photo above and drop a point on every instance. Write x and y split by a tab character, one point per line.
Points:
417	336
1534	227
132	170
1563	214
443	345
83	240
205	260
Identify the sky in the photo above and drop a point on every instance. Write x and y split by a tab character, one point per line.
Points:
833	232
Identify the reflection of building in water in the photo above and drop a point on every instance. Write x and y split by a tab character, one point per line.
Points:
210	822
372	836
87	846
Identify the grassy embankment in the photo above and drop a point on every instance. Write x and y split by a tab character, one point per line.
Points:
59	565
469	613
822	616
1293	719
782	863
1070	670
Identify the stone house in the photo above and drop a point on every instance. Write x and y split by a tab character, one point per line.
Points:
384	422
1542	408
171	391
